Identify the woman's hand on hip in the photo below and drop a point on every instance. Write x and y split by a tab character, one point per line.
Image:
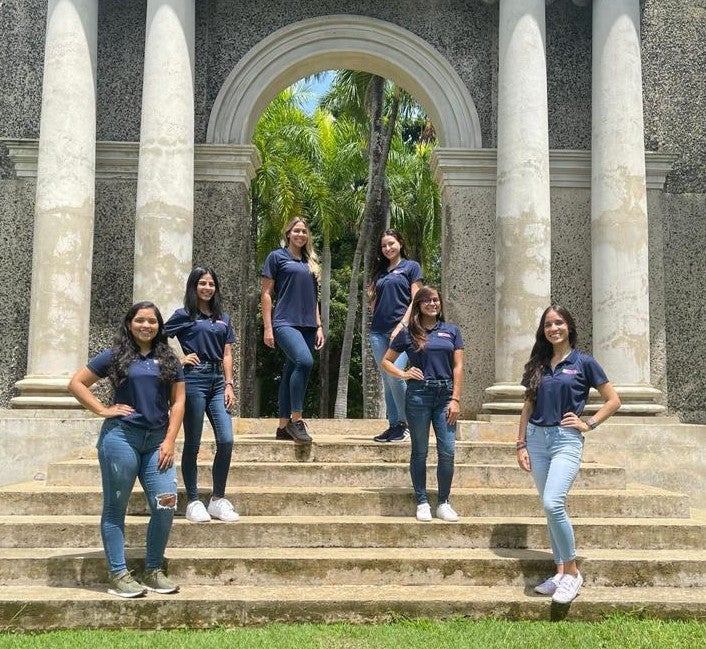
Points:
117	410
572	420
190	359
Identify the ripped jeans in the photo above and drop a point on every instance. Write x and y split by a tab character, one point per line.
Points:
126	452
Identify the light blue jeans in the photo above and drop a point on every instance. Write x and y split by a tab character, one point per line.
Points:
426	404
205	393
297	343
555	456
127	452
395	388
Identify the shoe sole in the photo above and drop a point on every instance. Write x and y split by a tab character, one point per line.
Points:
191	520
111	591
226	520
163	591
296	440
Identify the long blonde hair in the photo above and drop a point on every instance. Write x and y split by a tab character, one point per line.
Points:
308	253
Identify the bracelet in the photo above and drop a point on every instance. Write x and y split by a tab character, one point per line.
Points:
454	399
319	326
404	324
520	444
229	383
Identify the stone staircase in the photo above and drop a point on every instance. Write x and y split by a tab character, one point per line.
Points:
327	533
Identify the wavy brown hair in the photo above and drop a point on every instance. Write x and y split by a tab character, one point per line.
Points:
127	350
417	332
541	354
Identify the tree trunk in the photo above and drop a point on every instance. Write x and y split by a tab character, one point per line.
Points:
340	409
324	362
249	395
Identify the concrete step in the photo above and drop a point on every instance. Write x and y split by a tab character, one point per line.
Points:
258	448
46	607
370	475
303	567
636	501
365	531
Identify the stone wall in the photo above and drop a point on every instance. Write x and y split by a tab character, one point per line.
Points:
674	57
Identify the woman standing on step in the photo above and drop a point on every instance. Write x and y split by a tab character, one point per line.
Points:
290	278
434	380
394	283
137	440
206	336
557	379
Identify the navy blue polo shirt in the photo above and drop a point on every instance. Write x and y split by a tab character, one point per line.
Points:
566	388
202	336
142	389
393	293
295	289
436	359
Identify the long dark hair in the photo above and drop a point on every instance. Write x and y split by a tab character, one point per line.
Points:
541	354
191	301
127	350
381	262
416	331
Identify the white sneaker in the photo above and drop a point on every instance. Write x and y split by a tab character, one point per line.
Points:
567	589
196	512
223	509
446	513
424	512
549	586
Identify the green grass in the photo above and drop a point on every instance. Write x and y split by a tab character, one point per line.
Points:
619	632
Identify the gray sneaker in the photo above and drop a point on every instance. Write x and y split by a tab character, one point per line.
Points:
156	581
125	585
298	432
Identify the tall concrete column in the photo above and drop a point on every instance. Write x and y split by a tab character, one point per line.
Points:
64	207
523	245
165	178
619	229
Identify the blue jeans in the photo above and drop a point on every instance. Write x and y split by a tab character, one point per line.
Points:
426	404
205	393
297	343
395	389
555	457
126	452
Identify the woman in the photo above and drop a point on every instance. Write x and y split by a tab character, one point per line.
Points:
550	440
290	280
395	282
434	380
206	336
136	440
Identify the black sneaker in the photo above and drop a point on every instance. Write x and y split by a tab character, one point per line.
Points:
298	432
282	433
397	433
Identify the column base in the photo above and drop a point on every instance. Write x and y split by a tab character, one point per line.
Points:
637	400
38	391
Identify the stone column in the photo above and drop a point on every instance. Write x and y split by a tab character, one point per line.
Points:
165	178
523	245
619	228
64	207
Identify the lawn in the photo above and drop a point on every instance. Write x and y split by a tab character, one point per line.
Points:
620	632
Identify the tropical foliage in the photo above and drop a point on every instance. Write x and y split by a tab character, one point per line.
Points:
331	165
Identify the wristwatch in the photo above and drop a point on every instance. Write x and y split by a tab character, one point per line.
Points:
592	423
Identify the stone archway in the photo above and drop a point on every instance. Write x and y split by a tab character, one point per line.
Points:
344	42
379	47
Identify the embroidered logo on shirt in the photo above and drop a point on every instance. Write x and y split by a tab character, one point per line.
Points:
443	334
566	370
